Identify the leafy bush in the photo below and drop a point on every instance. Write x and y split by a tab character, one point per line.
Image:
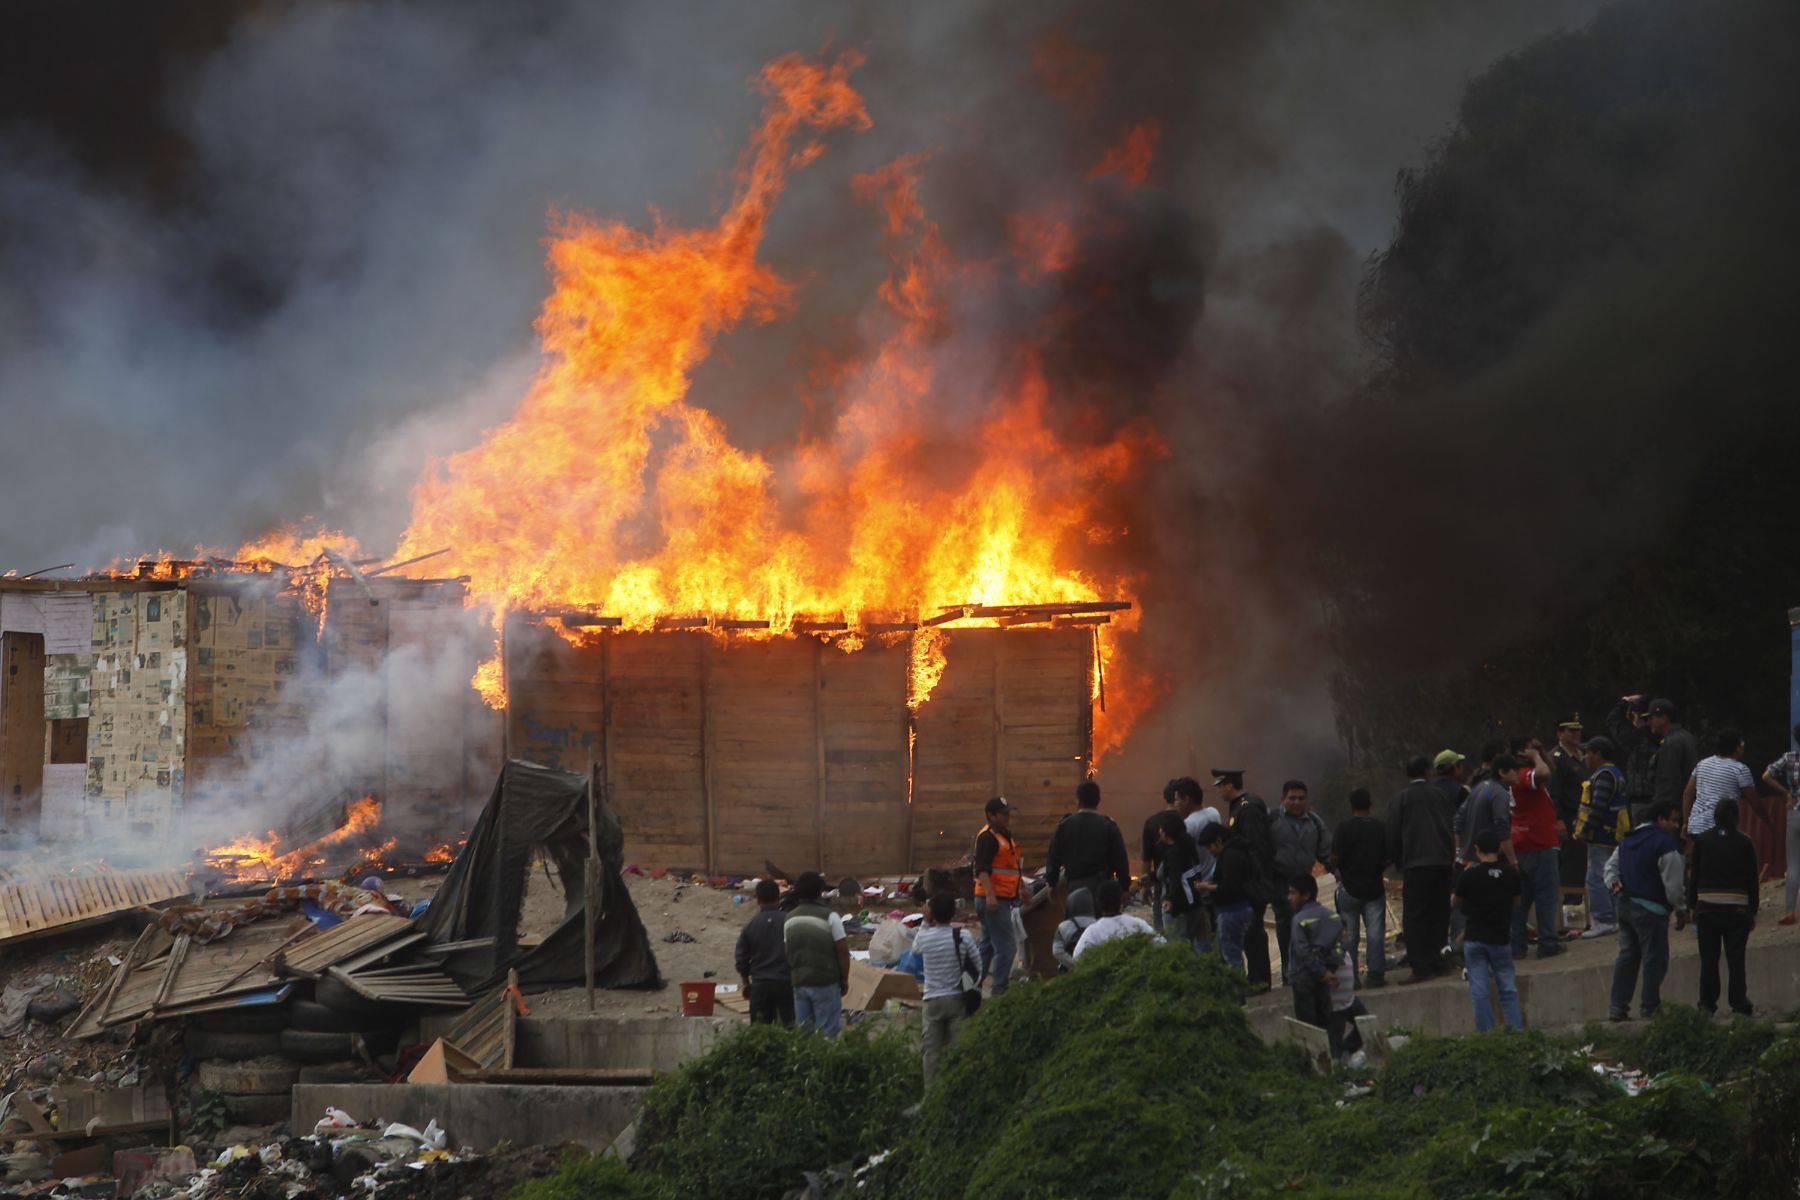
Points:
1110	1081
768	1103
1461	1076
1681	1038
1772	1132
1669	1142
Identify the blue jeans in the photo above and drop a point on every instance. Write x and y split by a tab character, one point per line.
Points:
1372	913
998	947
1643	940
1486	962
1235	923
820	1008
1599	896
1540	878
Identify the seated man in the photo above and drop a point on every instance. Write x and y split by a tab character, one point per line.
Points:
1111	924
1081	916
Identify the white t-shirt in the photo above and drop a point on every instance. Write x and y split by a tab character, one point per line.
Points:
1199	819
1716	779
1108	929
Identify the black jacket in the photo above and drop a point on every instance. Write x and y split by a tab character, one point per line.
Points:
1236	875
1567	774
1637	753
1250	821
1087	845
1419	833
1676	759
1722	872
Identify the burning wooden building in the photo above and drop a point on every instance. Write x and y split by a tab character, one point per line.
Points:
858	750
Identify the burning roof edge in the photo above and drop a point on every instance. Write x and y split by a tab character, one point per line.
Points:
1074	613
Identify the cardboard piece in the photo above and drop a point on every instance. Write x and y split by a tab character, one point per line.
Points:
89	1160
871	987
444	1063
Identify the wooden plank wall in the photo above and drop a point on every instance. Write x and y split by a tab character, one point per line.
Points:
763	748
21	734
653	744
862	705
721	756
954	772
1010	716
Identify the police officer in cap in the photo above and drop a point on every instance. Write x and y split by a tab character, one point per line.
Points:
1087	848
1568	771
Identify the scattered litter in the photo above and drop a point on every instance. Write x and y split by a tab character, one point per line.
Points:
678	935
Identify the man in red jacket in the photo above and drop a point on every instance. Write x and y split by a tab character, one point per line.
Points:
1537	840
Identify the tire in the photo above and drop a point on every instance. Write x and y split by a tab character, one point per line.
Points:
234	1047
332	994
260	1110
262	1018
313	1046
314	1017
337	1072
250	1078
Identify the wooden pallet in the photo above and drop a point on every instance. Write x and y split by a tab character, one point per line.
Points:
358	942
37	900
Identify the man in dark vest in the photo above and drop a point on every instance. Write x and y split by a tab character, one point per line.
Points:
1087	847
818	957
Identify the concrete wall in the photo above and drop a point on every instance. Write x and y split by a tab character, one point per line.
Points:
656	1043
480	1115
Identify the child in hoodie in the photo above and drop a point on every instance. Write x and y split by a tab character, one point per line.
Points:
1080	905
1314	958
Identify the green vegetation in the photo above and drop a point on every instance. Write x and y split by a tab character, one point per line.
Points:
587	1178
1138	1075
769	1103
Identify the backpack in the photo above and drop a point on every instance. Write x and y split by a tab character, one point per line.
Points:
971	986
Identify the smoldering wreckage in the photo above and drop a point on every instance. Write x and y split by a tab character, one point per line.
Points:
173	1029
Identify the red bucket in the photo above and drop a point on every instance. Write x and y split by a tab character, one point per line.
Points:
697	998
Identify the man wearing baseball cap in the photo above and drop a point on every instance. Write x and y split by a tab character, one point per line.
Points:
999	882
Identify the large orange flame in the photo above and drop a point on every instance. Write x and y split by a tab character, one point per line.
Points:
253	858
610	490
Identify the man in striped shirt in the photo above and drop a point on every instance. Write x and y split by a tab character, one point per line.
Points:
1721	777
947	953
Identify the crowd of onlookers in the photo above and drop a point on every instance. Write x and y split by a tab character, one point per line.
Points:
1480	852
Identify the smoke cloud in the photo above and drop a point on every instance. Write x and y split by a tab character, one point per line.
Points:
335	281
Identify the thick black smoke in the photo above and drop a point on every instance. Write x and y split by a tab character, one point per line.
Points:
265	267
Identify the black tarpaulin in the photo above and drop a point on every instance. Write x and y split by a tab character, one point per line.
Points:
536	806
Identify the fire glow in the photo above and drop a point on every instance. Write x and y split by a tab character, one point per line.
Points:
612	491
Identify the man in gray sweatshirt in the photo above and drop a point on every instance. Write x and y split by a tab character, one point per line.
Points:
1299	839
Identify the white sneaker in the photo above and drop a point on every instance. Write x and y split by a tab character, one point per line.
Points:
1599	931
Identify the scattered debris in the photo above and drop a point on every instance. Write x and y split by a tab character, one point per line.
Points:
678	935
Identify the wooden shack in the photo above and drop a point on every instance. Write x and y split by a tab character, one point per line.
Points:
724	749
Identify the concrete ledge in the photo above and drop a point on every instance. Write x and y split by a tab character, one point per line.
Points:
657	1043
1568	991
479	1115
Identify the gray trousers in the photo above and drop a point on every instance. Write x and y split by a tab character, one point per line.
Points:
944	1019
1793	856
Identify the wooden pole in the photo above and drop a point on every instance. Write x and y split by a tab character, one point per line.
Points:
591	881
818	673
